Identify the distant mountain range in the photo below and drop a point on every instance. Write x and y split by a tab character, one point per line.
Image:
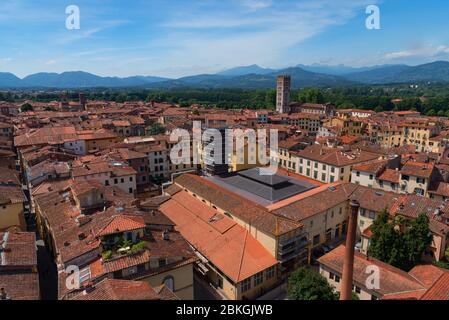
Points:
245	77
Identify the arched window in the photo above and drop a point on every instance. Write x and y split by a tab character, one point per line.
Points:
169	282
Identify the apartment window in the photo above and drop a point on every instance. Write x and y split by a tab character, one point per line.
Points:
315	175
323	177
258	278
308	172
332	169
362	212
316	165
122	180
358	174
316	239
372	215
308	162
270	272
381	184
324	167
405	177
420	180
115	181
331	276
300	170
246	285
130	190
419	191
342	170
106	182
332	179
337	278
162	262
131	179
371	177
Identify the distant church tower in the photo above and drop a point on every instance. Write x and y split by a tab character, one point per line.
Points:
283	94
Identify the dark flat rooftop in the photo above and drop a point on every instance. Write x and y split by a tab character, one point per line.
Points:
262	189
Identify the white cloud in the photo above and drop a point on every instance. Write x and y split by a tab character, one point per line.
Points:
247	37
430	51
257	4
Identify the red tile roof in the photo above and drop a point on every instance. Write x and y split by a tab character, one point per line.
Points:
227	245
115	289
390	175
122	223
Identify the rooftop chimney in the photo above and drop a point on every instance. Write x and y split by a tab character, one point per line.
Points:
348	264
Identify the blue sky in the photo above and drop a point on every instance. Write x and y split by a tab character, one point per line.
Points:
175	38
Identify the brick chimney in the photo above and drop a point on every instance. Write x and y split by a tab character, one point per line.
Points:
348	264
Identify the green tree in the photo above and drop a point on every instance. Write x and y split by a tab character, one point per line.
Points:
270	98
384	238
417	238
156	129
399	242
26	107
311	95
306	284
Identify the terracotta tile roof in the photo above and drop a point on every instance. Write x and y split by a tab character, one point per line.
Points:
50	186
46	136
335	156
390	175
96	134
226	244
121	223
113	167
411	206
372	167
11	194
312	202
250	212
115	289
8	176
392	280
20	286
440	290
427	274
374	199
73	233
348	139
418	169
19	249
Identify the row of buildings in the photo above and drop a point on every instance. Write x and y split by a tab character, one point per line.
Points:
118	215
